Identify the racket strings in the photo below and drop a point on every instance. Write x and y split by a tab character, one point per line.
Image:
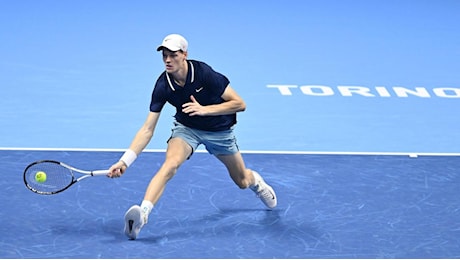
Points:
57	177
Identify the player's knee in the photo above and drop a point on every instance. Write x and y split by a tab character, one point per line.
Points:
170	168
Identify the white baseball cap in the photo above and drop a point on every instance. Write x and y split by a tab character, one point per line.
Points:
174	42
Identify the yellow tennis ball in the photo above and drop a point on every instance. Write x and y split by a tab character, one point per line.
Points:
40	176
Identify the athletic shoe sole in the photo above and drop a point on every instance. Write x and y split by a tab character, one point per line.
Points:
133	222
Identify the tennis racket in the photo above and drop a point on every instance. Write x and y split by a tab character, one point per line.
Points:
55	176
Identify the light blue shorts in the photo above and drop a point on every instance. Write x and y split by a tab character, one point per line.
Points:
216	143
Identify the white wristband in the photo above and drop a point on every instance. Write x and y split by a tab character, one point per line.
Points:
128	157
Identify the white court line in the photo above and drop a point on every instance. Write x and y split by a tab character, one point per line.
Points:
411	154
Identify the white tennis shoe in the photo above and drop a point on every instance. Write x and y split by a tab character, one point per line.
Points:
135	219
264	191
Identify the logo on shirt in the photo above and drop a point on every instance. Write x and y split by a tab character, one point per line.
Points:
198	89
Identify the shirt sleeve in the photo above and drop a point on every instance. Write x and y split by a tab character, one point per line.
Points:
158	99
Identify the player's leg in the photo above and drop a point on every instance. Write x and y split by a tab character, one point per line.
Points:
223	145
177	152
245	178
235	165
137	216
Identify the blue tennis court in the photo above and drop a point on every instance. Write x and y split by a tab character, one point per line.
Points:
330	206
352	117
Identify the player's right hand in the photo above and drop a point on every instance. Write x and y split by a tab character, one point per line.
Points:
116	170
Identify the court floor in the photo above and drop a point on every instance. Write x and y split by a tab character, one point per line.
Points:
330	206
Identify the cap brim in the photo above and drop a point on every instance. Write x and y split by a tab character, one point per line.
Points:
161	47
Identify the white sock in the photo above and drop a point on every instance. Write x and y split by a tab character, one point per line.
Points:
146	207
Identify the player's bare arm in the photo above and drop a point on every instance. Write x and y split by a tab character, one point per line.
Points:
140	141
233	103
145	133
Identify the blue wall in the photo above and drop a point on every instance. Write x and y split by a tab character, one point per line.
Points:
317	75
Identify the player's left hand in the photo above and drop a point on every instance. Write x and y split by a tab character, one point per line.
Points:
193	108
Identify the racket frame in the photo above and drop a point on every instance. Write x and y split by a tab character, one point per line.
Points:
86	174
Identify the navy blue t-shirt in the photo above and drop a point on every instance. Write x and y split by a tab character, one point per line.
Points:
205	84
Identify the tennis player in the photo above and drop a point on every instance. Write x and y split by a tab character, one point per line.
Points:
206	107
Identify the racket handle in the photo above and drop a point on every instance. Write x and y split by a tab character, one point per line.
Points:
99	172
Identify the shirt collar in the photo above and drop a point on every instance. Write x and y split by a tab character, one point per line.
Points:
192	77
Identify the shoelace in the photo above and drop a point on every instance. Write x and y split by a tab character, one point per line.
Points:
265	193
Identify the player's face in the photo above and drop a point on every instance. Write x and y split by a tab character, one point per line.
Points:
174	60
